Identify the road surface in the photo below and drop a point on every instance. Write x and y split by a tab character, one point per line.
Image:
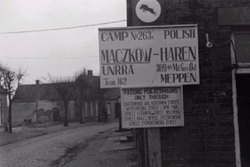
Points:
49	150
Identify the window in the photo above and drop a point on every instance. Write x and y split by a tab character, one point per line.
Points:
91	109
242	46
96	109
86	109
108	108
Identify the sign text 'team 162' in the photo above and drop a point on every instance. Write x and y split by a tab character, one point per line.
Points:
149	56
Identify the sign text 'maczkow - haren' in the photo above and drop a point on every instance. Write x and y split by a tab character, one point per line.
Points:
148	56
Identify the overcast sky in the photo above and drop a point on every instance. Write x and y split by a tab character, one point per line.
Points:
61	52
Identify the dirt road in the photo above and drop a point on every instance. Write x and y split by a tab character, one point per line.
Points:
50	149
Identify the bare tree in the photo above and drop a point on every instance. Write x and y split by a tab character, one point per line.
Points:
82	85
10	80
65	88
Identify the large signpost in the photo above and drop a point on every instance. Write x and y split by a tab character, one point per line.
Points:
152	107
149	56
150	65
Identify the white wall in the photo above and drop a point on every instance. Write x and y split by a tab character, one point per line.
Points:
46	105
21	111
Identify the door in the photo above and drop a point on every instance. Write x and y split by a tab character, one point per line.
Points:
243	103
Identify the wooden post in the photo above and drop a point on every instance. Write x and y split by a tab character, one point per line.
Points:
154	147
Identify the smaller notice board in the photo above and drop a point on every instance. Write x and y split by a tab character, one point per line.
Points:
152	107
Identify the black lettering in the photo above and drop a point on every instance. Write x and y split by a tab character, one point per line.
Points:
117	69
105	56
117	55
103	37
178	78
178	53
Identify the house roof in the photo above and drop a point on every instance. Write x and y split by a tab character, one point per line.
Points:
93	90
32	93
111	93
35	92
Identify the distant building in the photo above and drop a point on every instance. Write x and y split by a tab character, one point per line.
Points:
41	103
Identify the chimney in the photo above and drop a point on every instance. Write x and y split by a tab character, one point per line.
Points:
90	72
37	82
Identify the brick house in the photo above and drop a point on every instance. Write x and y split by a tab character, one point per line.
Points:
41	103
92	99
217	111
3	107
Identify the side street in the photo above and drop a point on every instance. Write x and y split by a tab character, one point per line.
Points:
25	132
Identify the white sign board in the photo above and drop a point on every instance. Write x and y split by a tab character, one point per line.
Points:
152	107
149	56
